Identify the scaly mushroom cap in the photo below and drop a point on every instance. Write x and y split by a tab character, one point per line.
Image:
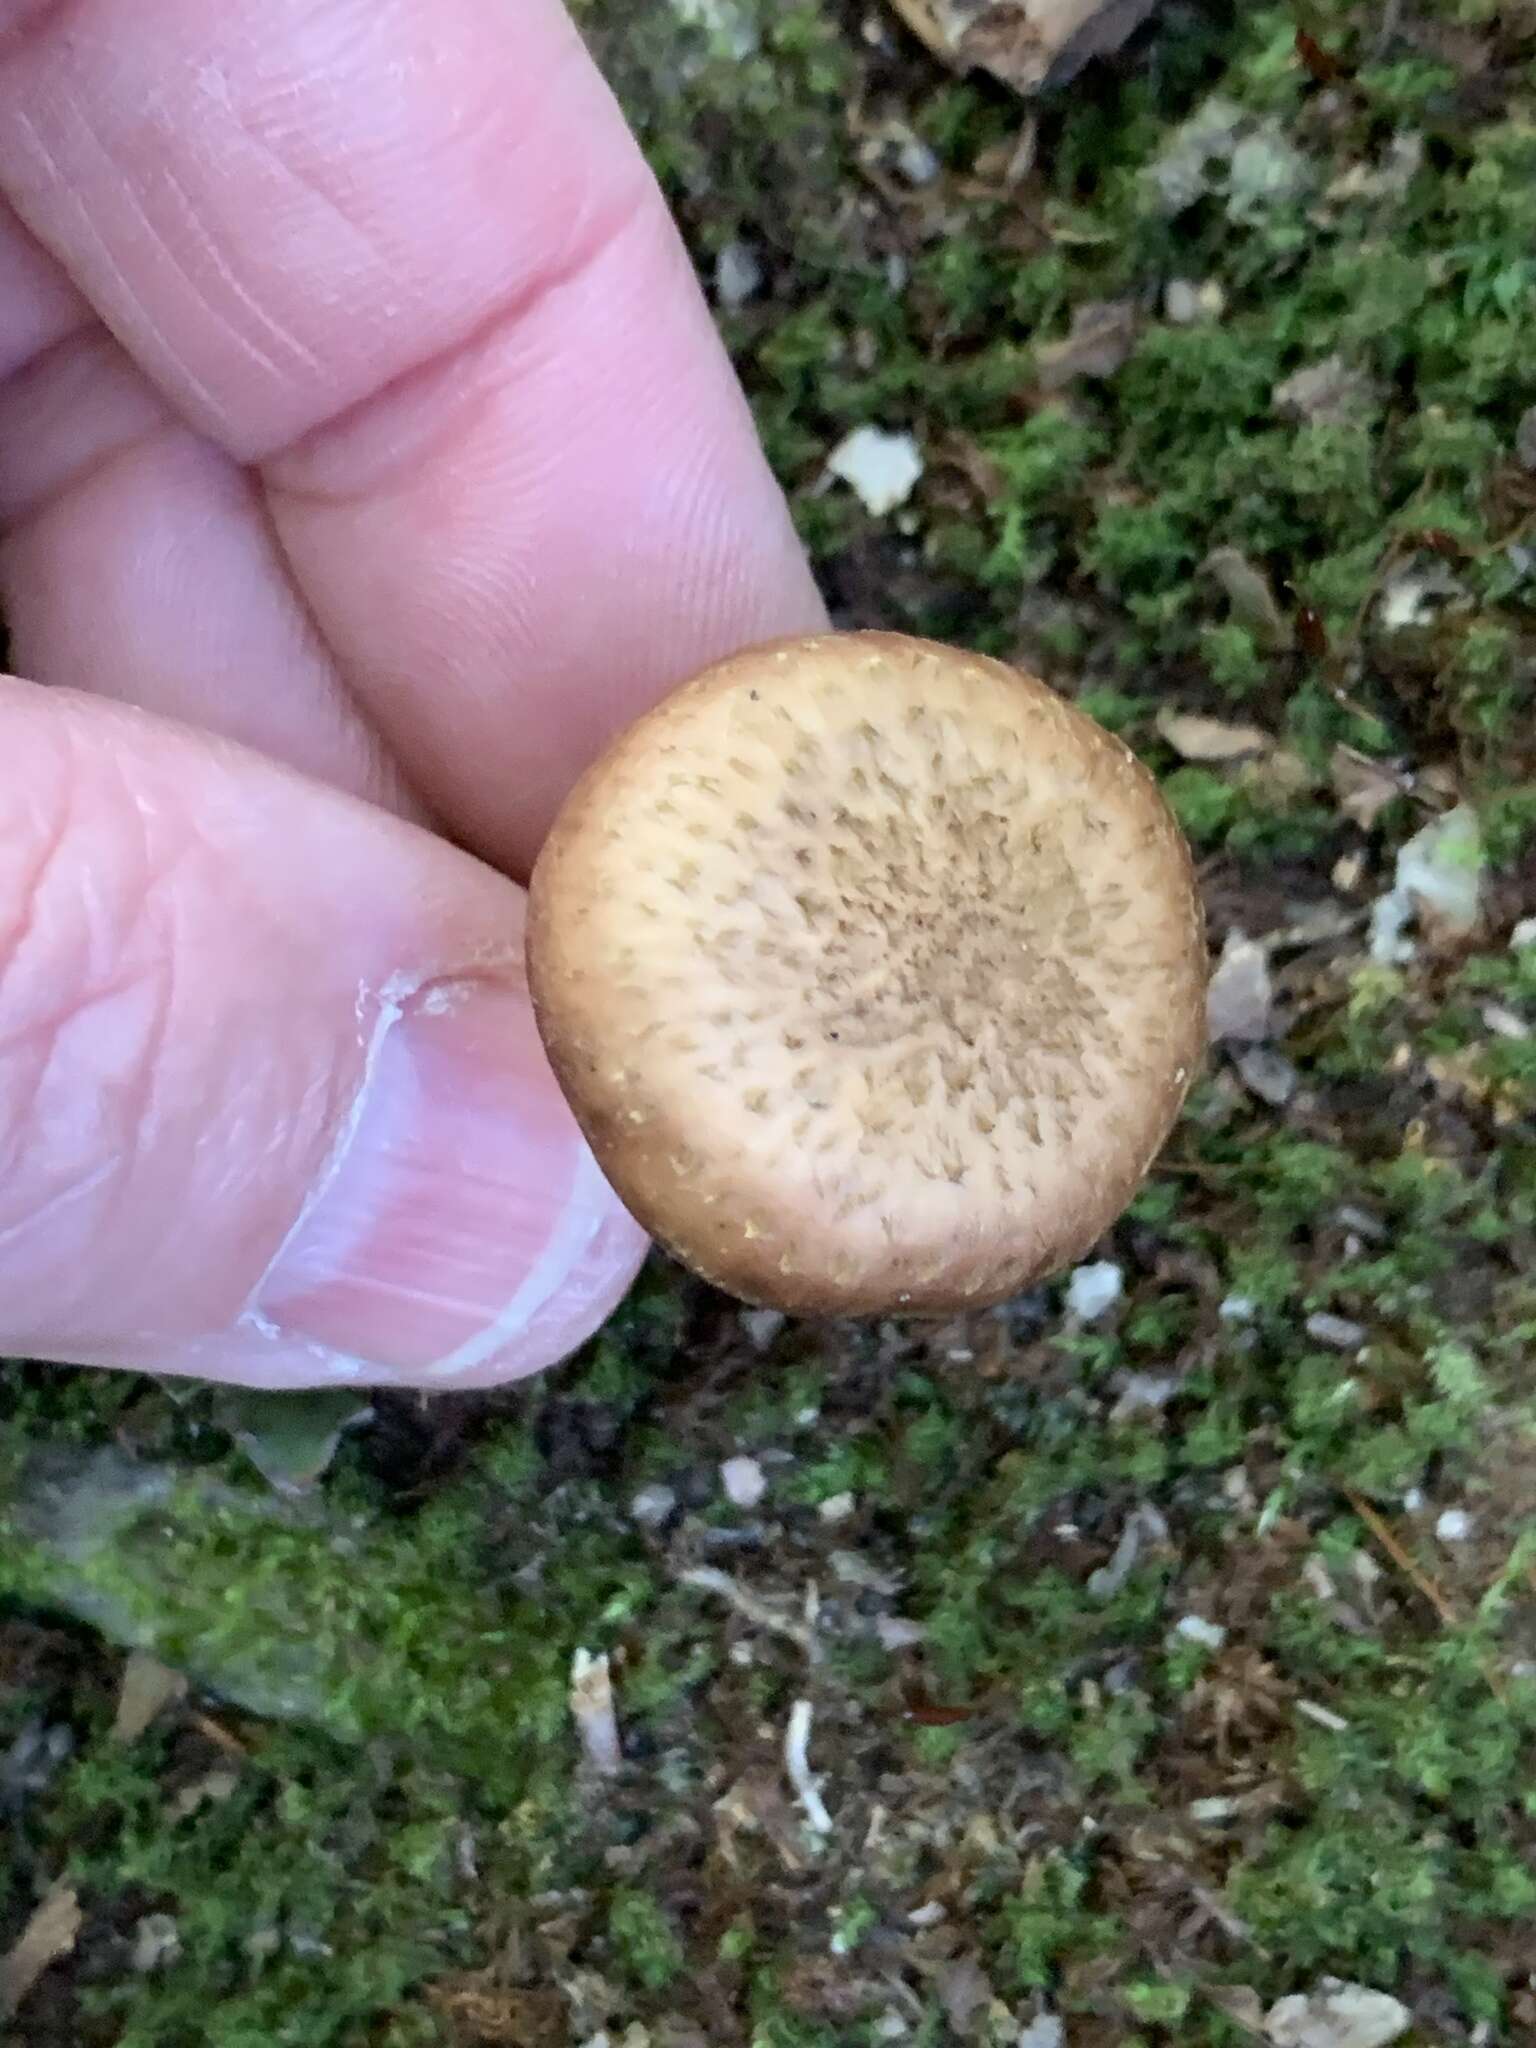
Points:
873	971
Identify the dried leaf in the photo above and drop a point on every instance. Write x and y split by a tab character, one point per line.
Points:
965	1992
147	1687
47	1938
1098	342
1027	44
212	1789
1251	596
290	1438
1194	738
1323	394
1362	786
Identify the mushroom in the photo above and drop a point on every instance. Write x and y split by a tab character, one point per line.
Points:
874	972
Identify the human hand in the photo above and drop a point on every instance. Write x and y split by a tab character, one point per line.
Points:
366	457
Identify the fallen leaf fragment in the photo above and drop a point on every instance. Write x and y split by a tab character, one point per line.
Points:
1251	596
1098	342
1337	2015
1323	394
1195	738
1363	786
1026	44
47	1938
147	1688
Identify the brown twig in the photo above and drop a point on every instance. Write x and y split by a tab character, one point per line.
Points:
1415	1573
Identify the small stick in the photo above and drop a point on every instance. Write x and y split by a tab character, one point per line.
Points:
797	1767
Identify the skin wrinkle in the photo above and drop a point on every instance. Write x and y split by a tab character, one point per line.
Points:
224	271
591	239
64	191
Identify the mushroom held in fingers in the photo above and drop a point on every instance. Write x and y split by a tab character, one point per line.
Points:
874	972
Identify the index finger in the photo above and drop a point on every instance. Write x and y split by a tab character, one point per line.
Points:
404	259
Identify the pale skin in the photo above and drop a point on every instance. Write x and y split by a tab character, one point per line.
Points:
367	457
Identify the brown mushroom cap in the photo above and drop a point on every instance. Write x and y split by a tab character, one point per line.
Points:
874	972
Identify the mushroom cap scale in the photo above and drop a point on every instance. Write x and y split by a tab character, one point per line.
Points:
874	972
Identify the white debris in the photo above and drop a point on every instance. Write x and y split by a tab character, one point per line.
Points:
1045	2032
1238	1308
894	1632
1264	172
729	24
744	1481
1196	1629
738	274
1142	1525
1504	1022
1239	1003
797	1737
1337	1332
1524	933
762	1326
156	1942
1438	881
1093	1290
1144	1393
1337	2015
1324	1717
1324	393
592	1710
1454	1525
1190	305
651	1506
1211	1812
1413	594
1268	1074
837	1507
916	161
881	468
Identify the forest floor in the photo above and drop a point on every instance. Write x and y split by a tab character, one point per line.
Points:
1163	1644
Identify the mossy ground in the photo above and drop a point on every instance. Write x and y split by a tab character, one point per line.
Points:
1203	1707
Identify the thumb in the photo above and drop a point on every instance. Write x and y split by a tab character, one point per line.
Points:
272	1104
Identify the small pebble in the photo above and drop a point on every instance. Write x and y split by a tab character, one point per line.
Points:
652	1505
1197	1629
738	274
762	1325
1337	1332
1187	304
1093	1290
743	1481
883	469
895	1632
917	163
837	1507
156	1941
1453	1526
